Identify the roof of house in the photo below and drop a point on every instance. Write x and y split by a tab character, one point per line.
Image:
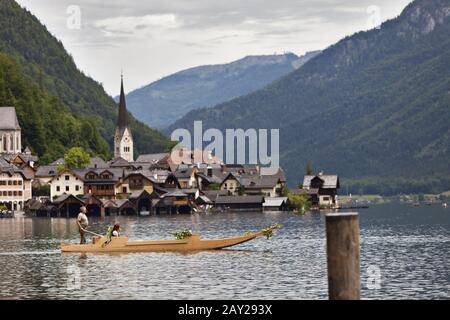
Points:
64	197
153	158
97	162
46	171
204	199
274	202
196	156
79	173
155	176
119	162
58	161
26	157
253	181
116	172
329	180
239	199
175	193
11	170
184	173
213	194
278	172
211	179
8	119
260	182
4	162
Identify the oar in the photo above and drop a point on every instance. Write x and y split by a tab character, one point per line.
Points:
87	231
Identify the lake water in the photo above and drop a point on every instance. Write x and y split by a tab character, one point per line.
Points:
408	246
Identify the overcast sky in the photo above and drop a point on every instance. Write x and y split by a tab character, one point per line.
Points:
150	39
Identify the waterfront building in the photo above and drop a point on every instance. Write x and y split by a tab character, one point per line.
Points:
15	187
325	186
133	182
240	203
102	182
67	182
186	177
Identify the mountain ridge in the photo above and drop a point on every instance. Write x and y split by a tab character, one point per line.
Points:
163	101
375	104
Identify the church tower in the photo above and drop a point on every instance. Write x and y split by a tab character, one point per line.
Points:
123	141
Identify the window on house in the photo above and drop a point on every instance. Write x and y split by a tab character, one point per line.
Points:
326	198
15	193
58	189
20	193
67	188
9	182
9	193
67	178
20	182
124	190
77	188
15	182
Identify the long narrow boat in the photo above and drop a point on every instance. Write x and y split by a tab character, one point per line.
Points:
192	243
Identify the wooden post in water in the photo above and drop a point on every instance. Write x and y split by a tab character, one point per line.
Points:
343	256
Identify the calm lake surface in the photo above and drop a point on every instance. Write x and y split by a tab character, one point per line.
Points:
409	246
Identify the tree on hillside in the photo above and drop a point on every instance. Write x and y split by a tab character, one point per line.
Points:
309	169
299	202
77	158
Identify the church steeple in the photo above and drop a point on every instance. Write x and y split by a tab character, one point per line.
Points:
122	121
123	140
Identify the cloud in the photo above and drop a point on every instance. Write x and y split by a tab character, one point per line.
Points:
136	25
151	39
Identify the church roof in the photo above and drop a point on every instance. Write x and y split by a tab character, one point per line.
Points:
8	119
122	121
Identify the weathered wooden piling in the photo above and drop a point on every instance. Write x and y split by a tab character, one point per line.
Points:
343	256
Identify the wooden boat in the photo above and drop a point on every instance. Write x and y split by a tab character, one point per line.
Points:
192	243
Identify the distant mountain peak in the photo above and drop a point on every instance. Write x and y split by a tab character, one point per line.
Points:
422	16
164	101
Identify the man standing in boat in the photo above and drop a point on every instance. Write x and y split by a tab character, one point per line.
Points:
82	222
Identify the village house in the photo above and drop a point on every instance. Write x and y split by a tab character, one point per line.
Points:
240	203
276	204
132	182
25	161
325	186
15	187
255	184
153	161
210	176
268	186
231	183
102	182
44	174
186	177
67	182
